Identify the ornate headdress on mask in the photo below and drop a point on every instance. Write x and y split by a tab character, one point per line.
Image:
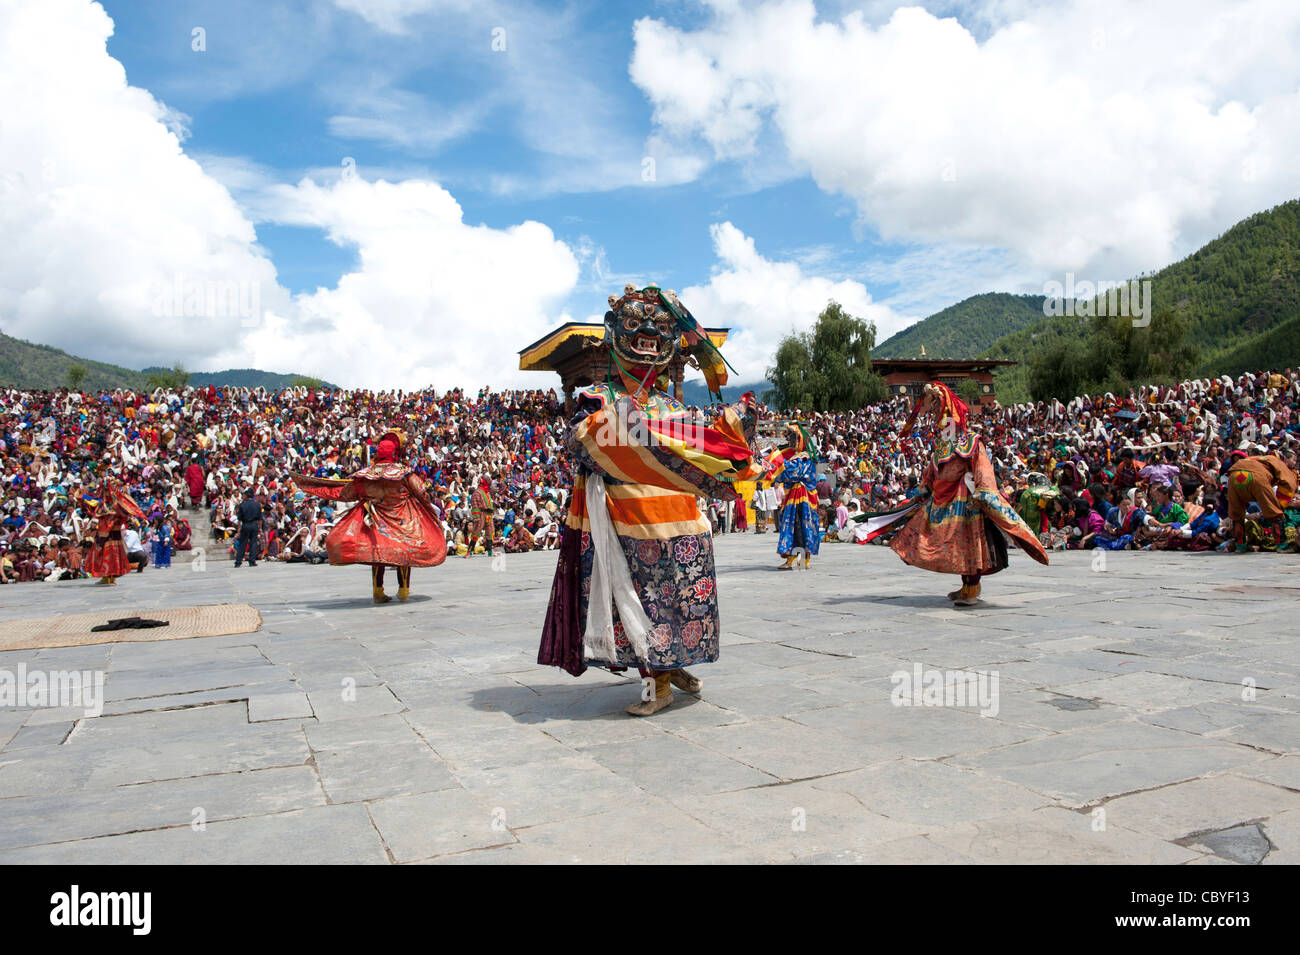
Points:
648	327
939	401
798	439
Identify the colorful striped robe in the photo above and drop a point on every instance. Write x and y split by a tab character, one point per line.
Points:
960	527
642	464
798	524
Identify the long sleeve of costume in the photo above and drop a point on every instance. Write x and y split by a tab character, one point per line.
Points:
623	442
329	489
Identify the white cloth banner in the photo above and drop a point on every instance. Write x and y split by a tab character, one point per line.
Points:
611	584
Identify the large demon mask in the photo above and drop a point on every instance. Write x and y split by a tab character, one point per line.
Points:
640	329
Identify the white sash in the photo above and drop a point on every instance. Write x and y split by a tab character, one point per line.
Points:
611	583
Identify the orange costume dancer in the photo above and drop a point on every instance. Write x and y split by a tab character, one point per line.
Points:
394	523
112	509
1254	479
958	522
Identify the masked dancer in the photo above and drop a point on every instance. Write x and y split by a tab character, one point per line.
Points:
635	584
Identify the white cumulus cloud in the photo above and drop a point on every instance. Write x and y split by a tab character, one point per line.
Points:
1087	135
434	300
763	300
102	215
116	245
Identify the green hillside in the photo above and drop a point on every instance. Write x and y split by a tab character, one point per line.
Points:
28	365
242	378
1239	293
965	329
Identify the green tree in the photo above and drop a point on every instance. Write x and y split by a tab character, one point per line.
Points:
1059	371
305	381
829	368
1115	355
76	375
969	391
791	376
174	380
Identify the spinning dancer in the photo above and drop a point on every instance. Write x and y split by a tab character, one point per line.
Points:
112	510
958	520
635	583
393	525
794	467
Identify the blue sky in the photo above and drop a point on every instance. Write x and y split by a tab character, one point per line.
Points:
278	114
405	192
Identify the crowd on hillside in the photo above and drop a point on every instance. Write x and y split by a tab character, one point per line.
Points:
1136	470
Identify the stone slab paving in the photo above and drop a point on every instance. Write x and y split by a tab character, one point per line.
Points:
1147	712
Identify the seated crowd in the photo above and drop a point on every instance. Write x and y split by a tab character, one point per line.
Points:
1145	469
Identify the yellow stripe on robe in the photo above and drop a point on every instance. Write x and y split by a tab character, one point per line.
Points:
640	511
622	459
629	461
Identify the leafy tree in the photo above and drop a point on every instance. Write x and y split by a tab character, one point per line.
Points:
792	375
829	368
173	380
1115	356
1059	372
969	391
306	381
76	375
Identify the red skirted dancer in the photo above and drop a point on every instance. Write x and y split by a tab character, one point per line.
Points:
393	525
956	525
112	510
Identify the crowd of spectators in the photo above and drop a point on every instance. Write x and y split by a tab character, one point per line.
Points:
1134	470
195	451
1143	470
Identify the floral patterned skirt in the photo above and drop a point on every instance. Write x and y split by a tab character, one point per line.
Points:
677	584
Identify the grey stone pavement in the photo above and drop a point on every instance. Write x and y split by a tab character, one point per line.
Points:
1147	712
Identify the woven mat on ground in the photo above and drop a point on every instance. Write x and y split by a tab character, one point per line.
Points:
73	630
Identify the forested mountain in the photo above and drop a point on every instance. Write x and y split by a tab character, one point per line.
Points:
697	392
1238	294
965	329
28	365
243	378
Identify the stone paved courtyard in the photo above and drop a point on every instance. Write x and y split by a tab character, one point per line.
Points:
1127	728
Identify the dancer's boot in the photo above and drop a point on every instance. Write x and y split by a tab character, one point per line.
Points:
684	680
660	699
